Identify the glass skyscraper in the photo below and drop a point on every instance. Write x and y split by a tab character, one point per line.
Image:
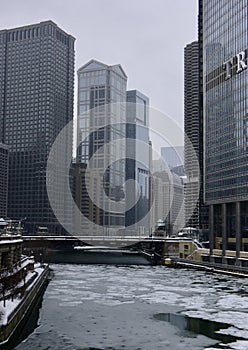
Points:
4	171
101	135
137	162
225	88
36	97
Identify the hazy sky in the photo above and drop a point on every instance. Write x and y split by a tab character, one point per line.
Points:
146	37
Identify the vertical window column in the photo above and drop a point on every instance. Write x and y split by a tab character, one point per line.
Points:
224	233
238	234
211	231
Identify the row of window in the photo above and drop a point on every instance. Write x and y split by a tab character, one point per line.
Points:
34	33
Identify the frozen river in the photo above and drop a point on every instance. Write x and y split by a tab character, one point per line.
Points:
140	307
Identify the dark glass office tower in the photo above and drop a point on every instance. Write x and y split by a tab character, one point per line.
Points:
137	162
36	97
225	76
4	170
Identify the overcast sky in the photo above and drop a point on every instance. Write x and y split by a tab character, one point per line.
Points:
146	37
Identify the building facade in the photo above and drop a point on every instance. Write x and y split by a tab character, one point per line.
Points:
4	172
168	198
168	202
225	91
89	205
194	132
36	97
137	217
101	135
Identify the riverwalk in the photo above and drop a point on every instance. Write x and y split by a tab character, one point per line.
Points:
15	308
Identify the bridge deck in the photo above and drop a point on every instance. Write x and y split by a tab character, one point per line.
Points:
95	238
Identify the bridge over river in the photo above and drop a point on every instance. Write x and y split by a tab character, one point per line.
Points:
93	248
104	241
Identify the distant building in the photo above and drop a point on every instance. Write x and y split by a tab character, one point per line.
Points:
151	192
195	212
168	197
4	169
173	156
177	212
36	98
159	165
179	170
88	204
192	131
101	119
161	201
137	162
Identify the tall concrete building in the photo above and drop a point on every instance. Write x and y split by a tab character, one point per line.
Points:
137	217
36	98
168	191
192	131
89	205
196	213
225	90
101	135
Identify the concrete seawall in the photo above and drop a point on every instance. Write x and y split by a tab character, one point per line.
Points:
10	332
211	267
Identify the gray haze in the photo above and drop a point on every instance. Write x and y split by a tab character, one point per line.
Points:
146	37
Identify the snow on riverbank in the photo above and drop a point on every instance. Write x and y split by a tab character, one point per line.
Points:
10	305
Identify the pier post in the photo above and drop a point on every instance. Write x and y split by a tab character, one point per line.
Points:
211	232
238	234
224	233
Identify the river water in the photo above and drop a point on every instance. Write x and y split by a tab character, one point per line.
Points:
140	308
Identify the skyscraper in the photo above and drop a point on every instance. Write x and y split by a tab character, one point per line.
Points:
225	91
36	97
137	162
89	205
101	135
4	171
168	196
196	213
192	130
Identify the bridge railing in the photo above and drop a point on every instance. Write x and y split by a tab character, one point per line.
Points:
95	238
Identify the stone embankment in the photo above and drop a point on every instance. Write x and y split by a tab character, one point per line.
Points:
16	309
